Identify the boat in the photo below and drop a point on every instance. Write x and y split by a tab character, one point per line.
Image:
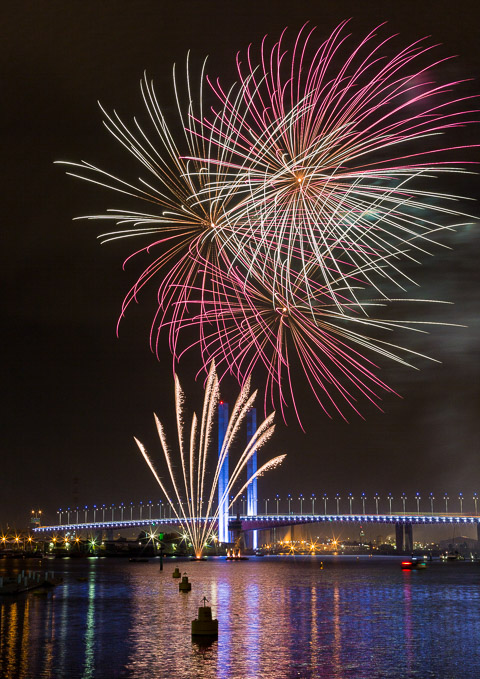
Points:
237	558
415	563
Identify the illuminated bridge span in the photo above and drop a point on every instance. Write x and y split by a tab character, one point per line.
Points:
403	523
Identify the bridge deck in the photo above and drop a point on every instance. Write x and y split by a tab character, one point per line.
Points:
266	521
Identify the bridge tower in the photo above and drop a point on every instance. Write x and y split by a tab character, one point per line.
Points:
252	498
404	537
223	477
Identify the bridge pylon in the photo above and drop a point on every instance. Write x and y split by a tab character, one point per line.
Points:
404	537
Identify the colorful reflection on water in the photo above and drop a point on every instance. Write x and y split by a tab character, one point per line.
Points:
279	618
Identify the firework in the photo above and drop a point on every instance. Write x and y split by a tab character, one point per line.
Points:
195	501
300	193
330	159
241	328
184	231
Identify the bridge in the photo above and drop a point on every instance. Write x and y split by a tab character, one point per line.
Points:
244	523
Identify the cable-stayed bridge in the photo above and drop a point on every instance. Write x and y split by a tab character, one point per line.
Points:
245	523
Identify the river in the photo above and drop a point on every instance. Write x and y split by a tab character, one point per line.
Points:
279	618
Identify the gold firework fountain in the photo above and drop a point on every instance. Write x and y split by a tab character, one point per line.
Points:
192	495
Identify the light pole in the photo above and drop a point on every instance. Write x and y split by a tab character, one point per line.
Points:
103	513
446	498
149	510
68	514
131	511
301	503
141	510
363	497
86	510
313	504
76	510
418	498
338	498
266	506
404	499
460	497
94	513
159	509
390	498
59	516
325	498
277	500
377	498
113	509
432	498
289	497
475	499
350	499
243	505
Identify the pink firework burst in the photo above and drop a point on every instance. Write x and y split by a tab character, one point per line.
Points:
287	201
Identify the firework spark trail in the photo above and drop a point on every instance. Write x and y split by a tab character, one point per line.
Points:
312	178
330	346
190	232
299	186
197	520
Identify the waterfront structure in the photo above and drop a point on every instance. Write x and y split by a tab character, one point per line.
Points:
252	498
223	475
403	523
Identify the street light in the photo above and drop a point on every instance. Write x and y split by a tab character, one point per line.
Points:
313	504
68	514
121	510
338	498
277	500
94	513
149	510
85	510
141	510
364	497
266	506
289	498
432	498
325	498
350	499
404	499
103	513
390	498
446	498
377	498
475	499
59	516
460	497
243	505
418	498
301	503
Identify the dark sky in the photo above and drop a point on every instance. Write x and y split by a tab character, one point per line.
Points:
74	394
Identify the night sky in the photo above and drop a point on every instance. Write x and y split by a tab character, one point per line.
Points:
73	394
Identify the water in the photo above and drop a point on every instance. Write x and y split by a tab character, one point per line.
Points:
279	618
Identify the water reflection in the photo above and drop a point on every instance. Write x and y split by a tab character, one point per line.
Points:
89	666
277	618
